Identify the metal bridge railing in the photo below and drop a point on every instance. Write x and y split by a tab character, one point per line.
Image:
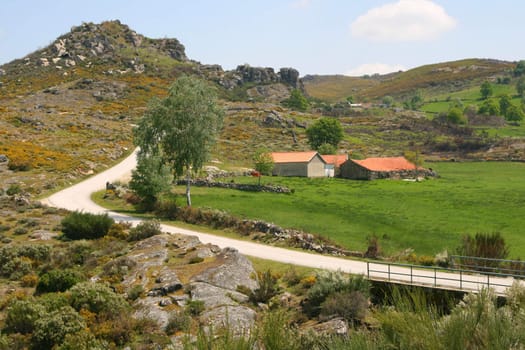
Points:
438	277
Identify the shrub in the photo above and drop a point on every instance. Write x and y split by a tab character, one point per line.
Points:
21	316
97	298
196	260
79	225
167	208
277	332
351	306
116	269
13	189
82	340
373	250
20	231
135	292
483	245
332	282
178	321
119	230
58	281
52	328
268	287
144	230
195	307
29	280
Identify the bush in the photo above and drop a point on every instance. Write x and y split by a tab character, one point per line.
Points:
51	329
178	321
79	225
29	280
21	316
195	260
58	281
144	230
167	208
351	306
135	292
332	282
97	298
82	340
268	287
483	245
195	307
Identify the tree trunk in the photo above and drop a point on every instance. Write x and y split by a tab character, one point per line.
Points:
188	183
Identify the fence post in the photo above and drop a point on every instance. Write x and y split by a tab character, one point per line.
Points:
411	274
435	277
488	281
389	272
461	279
368	269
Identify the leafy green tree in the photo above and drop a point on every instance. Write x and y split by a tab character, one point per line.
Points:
182	127
489	107
504	104
263	163
486	90
150	178
325	130
455	116
520	86
415	102
297	101
326	148
388	101
514	114
520	69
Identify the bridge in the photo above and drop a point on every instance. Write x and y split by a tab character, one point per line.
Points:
477	274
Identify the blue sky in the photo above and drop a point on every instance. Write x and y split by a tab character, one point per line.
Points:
351	37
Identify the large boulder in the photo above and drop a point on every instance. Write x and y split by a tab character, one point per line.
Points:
233	271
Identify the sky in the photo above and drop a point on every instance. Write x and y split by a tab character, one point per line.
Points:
351	37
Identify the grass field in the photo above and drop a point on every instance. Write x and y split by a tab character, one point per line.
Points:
428	216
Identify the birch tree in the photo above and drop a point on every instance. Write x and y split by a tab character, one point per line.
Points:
182	127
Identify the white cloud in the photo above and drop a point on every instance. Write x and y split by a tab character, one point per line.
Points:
301	4
374	68
405	20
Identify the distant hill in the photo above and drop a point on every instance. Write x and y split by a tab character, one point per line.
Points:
432	79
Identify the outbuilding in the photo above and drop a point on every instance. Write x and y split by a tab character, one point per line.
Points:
304	164
381	168
333	163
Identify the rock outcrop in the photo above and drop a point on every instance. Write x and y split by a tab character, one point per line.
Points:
157	265
108	42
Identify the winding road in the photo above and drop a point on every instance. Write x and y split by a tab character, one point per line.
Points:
78	197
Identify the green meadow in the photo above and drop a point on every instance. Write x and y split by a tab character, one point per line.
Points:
428	216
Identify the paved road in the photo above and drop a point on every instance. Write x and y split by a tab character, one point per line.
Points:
77	197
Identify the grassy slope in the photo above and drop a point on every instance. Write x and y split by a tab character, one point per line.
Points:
435	79
428	216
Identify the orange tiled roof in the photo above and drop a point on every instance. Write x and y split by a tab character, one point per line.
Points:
385	164
293	157
336	159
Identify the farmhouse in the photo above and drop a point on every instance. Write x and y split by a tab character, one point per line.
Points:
333	163
381	168
306	164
